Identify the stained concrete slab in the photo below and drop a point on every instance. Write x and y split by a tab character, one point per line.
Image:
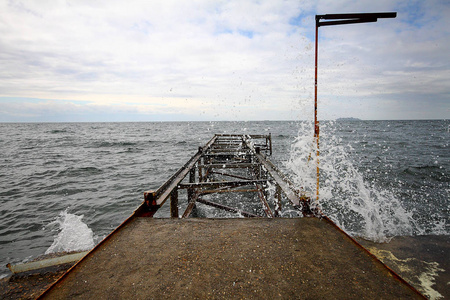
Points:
302	258
423	261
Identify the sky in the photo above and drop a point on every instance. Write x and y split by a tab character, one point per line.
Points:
114	61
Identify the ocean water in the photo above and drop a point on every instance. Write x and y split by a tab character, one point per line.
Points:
65	186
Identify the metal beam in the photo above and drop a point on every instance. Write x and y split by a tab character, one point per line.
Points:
156	199
174	204
341	19
228	165
204	162
343	22
228	190
279	178
357	15
229	175
215	184
263	199
227	208
191	205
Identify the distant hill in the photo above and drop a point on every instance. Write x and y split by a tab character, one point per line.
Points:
348	119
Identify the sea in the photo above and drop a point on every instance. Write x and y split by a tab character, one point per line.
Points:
65	186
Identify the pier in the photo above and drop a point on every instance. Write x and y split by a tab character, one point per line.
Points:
259	255
228	164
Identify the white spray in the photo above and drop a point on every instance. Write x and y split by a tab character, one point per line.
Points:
74	235
356	206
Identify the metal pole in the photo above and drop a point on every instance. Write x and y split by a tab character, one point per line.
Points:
337	19
174	203
316	122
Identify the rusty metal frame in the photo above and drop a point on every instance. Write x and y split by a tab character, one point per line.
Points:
248	170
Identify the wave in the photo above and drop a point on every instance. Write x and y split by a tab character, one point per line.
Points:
74	234
108	144
425	173
57	131
357	206
131	150
82	171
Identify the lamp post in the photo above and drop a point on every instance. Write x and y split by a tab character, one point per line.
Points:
337	19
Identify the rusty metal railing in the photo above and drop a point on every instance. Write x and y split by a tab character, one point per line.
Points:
228	164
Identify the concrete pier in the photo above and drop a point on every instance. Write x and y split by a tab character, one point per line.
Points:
256	258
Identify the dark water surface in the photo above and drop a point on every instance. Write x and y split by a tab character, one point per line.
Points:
54	173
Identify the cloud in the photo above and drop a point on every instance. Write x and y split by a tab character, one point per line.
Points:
389	60
215	59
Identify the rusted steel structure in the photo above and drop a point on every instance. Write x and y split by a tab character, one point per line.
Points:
228	163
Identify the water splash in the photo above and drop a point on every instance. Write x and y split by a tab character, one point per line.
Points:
74	235
359	207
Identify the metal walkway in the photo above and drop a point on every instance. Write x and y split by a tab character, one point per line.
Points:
259	257
229	164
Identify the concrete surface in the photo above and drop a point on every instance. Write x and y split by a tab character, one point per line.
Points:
423	261
29	285
304	258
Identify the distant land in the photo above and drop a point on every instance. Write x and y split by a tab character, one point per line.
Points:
348	119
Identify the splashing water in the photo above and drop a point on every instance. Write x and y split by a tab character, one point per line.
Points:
74	235
358	207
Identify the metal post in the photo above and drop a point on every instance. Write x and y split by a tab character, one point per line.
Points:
174	203
200	175
337	19
190	192
278	201
316	122
270	143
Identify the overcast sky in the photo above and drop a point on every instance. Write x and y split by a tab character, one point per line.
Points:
220	60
